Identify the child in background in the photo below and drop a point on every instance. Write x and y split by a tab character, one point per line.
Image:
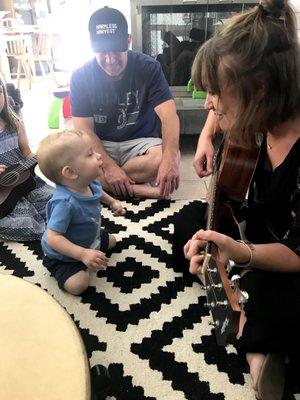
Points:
27	219
74	243
14	97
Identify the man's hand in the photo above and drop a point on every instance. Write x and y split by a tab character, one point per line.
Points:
117	208
2	168
120	183
94	259
168	175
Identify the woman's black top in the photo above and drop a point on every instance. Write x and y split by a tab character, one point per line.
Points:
273	213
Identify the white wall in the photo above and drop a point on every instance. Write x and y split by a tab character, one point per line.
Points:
296	6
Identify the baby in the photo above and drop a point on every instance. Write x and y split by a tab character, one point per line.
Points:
74	244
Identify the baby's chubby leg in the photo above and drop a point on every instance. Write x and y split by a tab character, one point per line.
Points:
111	241
78	282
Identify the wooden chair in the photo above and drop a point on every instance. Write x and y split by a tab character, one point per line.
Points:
17	47
42	52
28	50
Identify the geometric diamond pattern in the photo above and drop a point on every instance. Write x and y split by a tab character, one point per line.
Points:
142	318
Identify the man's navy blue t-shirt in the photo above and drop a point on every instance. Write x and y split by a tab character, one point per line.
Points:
123	109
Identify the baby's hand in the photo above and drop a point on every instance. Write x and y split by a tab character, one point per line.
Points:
117	208
2	168
94	259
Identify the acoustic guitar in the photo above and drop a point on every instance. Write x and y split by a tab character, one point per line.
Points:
234	167
15	182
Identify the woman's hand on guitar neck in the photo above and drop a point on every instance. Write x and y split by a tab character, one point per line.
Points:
2	168
227	249
193	251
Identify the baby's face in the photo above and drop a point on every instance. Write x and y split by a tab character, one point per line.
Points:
86	163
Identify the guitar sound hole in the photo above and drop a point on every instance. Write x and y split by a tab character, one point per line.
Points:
10	179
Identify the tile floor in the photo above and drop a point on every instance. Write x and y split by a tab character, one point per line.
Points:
37	102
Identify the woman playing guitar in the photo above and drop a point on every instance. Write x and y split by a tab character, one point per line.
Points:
251	71
22	201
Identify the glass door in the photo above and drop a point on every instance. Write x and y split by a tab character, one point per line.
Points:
173	33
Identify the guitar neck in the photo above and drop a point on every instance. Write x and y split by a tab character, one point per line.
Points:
233	169
25	165
212	198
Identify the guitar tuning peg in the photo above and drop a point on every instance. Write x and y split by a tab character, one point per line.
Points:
230	265
235	281
212	270
235	278
222	303
211	304
215	324
217	285
243	297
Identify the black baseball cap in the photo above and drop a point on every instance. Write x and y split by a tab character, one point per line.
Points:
108	30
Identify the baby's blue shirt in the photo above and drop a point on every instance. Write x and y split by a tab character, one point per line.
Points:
76	217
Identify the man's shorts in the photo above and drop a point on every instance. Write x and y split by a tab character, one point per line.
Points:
63	270
121	152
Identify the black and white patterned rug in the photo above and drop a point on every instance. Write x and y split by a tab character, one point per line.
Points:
141	318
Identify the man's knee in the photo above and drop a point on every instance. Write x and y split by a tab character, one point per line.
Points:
155	155
144	168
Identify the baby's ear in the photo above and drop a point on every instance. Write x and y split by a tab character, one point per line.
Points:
68	173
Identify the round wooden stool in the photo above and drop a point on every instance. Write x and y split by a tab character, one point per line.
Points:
42	356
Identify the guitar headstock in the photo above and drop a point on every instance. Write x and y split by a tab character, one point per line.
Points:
222	300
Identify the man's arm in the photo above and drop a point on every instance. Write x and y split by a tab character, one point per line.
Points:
115	177
168	172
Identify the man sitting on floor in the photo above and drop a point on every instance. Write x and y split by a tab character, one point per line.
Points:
116	98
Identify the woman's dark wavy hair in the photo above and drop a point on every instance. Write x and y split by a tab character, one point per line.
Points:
256	54
7	114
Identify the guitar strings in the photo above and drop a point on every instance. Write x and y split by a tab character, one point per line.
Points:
211	213
19	168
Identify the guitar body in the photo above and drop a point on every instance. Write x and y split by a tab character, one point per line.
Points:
231	181
15	182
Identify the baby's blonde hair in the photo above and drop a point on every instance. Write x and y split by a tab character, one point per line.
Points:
56	151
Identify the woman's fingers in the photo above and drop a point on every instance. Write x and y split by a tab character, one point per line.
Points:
196	264
194	247
186	248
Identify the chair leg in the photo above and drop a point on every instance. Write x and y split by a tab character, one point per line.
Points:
19	73
41	64
27	72
31	72
51	69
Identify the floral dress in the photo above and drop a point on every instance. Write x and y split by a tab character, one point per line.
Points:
27	220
